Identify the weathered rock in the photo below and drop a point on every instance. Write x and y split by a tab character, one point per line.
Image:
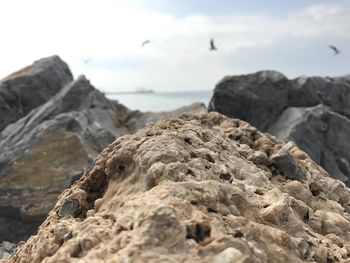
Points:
53	145
6	249
47	150
322	133
30	87
181	191
314	112
285	162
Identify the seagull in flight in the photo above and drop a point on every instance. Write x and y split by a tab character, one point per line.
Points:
336	50
145	42
212	45
87	60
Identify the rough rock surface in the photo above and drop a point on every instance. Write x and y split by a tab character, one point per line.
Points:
44	152
198	188
47	150
6	249
314	112
30	87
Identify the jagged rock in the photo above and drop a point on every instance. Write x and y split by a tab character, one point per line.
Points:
48	149
322	133
181	190
285	162
314	112
30	87
6	249
52	146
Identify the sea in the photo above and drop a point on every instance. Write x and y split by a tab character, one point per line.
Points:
161	101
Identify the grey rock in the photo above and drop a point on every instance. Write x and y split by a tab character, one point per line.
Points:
6	249
314	112
68	207
49	148
321	133
53	145
285	162
30	87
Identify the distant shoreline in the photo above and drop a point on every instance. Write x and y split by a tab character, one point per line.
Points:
128	92
154	92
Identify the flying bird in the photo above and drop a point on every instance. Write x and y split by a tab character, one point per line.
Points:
336	50
145	42
87	60
212	45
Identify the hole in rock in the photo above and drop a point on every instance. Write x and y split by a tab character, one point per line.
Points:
237	233
314	188
188	140
226	177
95	186
190	172
120	168
198	231
306	217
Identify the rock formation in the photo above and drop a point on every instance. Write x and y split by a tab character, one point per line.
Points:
50	147
197	188
30	87
314	112
6	249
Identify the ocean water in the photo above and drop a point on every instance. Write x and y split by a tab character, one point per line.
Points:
161	101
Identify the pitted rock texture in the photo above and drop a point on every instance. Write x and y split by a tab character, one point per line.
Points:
30	87
198	188
313	112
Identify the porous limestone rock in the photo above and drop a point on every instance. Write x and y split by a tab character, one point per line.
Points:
184	190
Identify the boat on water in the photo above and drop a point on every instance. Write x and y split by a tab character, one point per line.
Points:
144	90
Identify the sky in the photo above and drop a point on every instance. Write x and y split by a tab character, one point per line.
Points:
288	36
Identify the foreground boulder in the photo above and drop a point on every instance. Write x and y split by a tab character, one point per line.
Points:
30	87
314	112
198	188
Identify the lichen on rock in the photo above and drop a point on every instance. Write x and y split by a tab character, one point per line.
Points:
197	188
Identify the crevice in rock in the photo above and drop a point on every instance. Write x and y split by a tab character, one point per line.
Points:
198	231
95	186
76	251
226	177
306	218
188	140
314	188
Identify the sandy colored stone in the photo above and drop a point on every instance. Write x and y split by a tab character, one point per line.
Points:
181	190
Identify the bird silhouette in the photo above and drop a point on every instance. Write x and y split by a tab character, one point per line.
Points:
87	60
212	45
145	42
336	50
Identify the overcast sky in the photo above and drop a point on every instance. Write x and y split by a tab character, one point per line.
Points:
288	36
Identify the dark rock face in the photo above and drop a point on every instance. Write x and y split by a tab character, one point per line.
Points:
30	87
48	149
312	111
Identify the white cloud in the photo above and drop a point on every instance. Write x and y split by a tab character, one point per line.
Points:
110	33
